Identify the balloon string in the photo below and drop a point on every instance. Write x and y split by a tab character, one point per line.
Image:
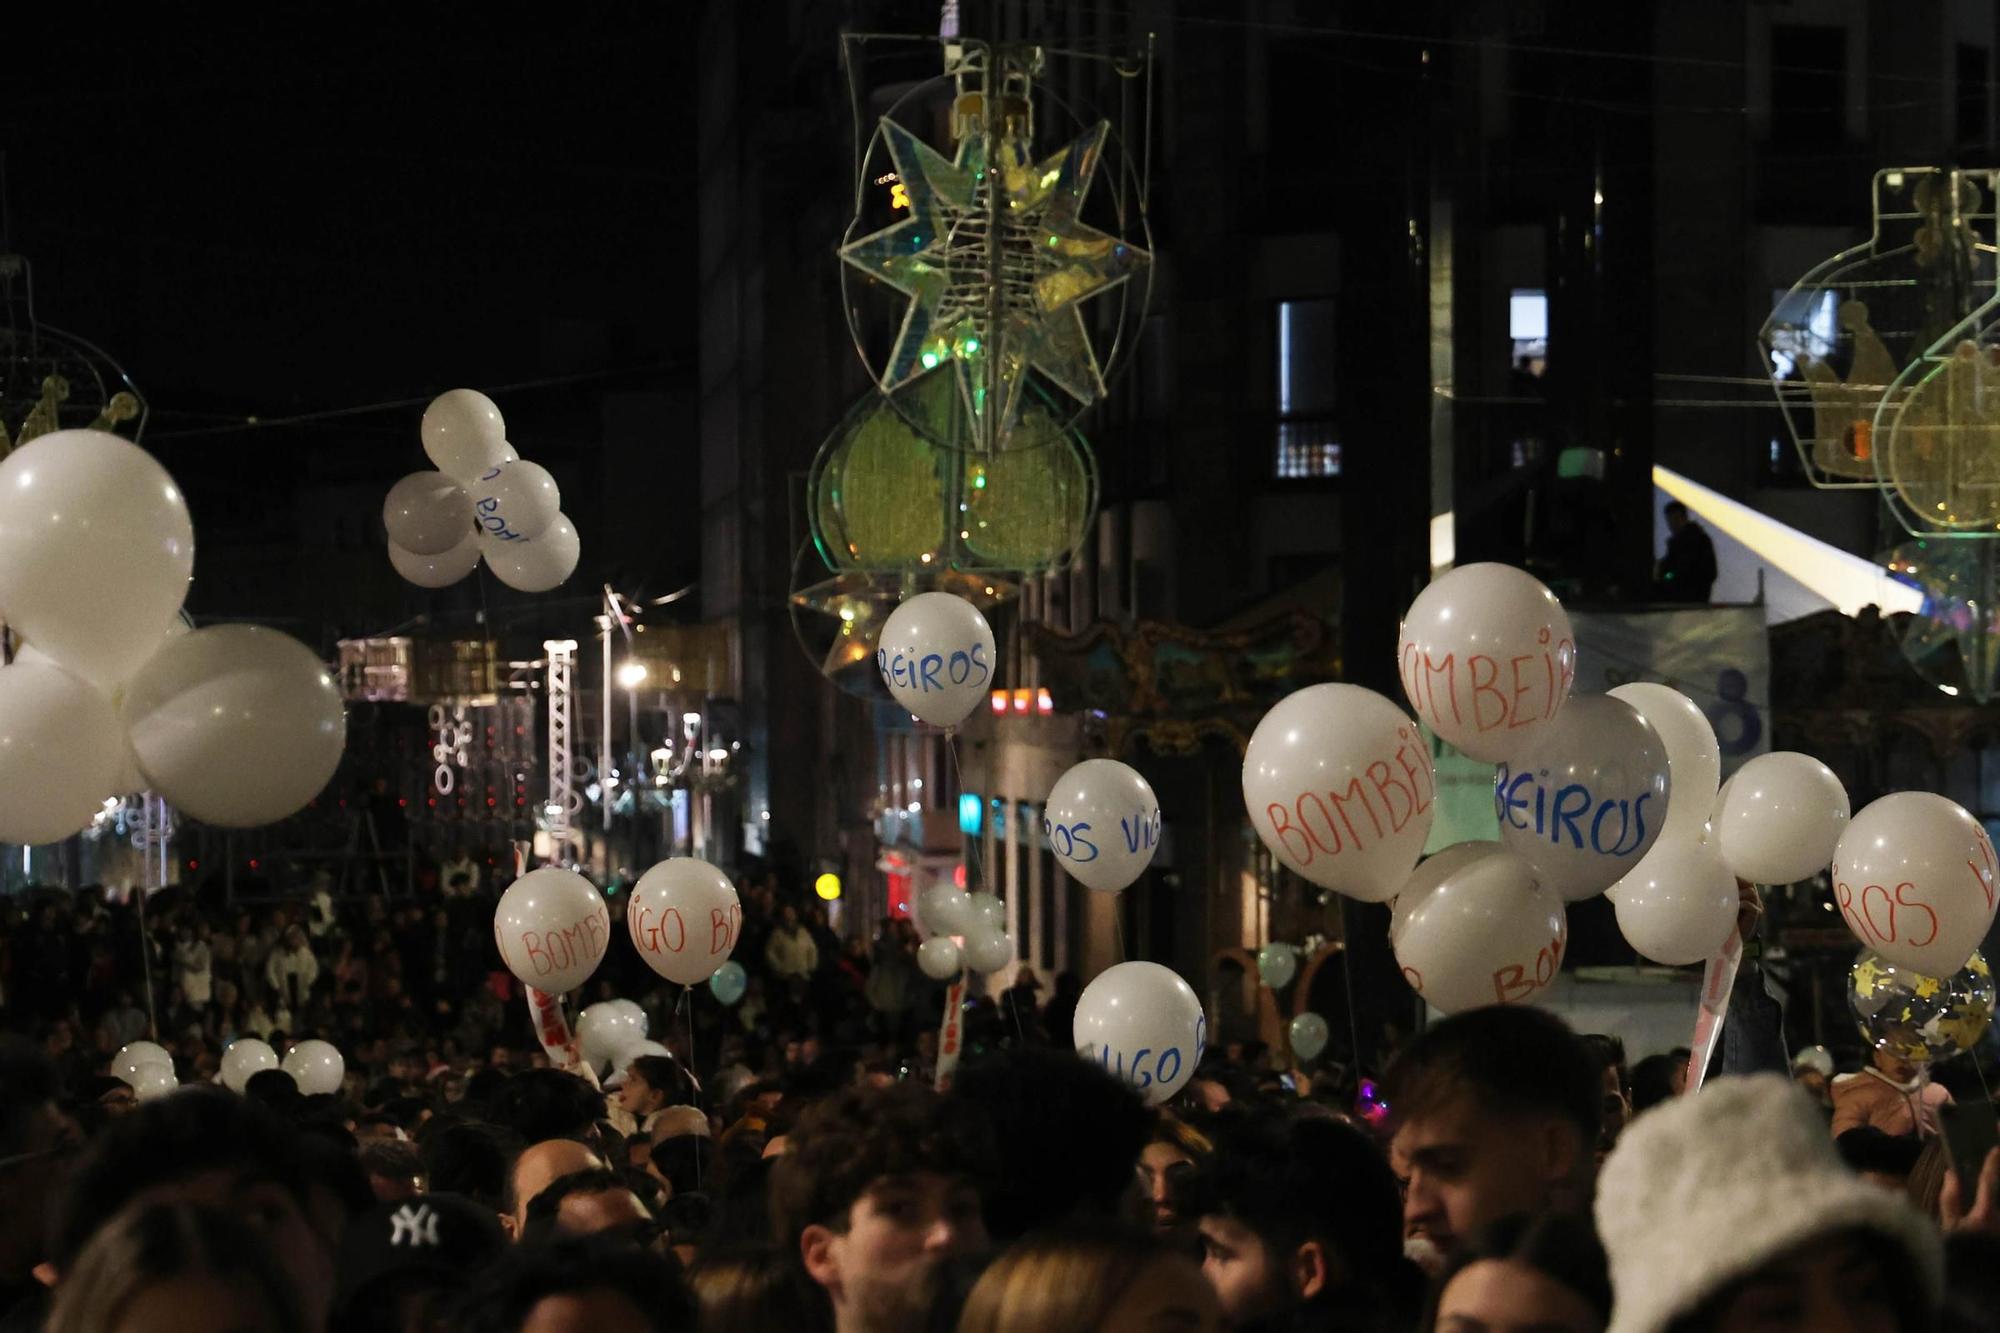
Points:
1347	977
687	1009
975	874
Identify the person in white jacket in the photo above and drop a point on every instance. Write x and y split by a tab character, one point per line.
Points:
194	966
791	952
291	970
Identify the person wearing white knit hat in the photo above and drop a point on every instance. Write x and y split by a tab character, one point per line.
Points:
1730	1210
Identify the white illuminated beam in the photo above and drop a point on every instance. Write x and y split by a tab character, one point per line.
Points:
1846	580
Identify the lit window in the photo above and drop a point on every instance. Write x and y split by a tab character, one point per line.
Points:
1528	330
1308	442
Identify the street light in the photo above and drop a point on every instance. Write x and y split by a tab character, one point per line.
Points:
632	675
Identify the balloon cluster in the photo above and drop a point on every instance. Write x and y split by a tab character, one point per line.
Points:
1920	1018
1614	794
110	692
146	1068
484	500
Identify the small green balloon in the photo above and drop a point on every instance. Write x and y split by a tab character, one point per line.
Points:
1277	964
729	982
1308	1036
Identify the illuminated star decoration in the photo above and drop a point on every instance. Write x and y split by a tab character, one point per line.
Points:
1957	581
862	602
995	302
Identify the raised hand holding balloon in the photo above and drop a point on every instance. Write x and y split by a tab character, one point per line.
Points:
1103	823
684	918
1487	658
1340	787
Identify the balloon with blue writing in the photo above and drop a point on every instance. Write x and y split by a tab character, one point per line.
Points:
1694	759
1103	823
1487	658
464	434
1339	785
244	1057
1485	933
608	1032
535	564
1308	1035
938	958
316	1067
1679	905
1277	964
1782	819
1583	801
427	513
1143	1023
729	982
552	929
515	501
684	917
936	656
1913	877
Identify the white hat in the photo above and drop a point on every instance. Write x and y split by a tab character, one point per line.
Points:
1707	1189
1814	1057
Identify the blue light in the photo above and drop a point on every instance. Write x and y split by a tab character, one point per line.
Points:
971	814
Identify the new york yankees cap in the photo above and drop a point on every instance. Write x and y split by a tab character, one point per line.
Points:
442	1235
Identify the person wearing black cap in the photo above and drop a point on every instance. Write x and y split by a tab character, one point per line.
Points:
403	1263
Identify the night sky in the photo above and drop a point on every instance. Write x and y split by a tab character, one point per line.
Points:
281	214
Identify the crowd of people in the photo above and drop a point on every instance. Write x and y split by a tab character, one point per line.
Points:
791	1162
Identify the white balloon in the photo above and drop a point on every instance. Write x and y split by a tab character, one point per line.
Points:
983	911
936	656
245	1057
316	1067
1433	869
134	1057
464	434
986	949
96	551
237	725
609	1032
153	1081
1103	823
1694	759
1339	785
1585	799
1679	905
1487	658
938	958
684	916
427	513
1308	1035
1913	876
61	753
1143	1023
552	928
1783	817
1277	964
535	564
437	571
515	501
1485	933
945	909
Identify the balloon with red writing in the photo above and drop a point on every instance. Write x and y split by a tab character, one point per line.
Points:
1781	818
1339	786
1679	905
684	917
936	656
1103	823
1913	877
1584	800
1143	1023
1487	658
552	929
1483	933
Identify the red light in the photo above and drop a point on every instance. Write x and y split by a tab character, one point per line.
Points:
1043	703
958	875
194	865
253	863
491	802
432	802
401	802
1021	700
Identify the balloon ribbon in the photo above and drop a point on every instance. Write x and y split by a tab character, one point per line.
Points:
1717	981
553	1029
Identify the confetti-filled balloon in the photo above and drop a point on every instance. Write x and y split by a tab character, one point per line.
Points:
1920	1018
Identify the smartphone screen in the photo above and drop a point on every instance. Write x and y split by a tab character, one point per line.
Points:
1971	1130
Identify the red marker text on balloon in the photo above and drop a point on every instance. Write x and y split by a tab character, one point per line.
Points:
1983	869
722	925
1390	793
1489	693
667	932
558	950
1860	912
1518	981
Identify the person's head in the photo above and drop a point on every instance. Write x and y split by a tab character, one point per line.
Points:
1676	515
756	1290
873	1193
542	1104
1879	1158
395	1169
570	1283
1064	1135
470	1159
206	1147
538	1167
790	916
1173	1149
1614	1082
1494	1111
163	1267
1091	1278
1897	1067
1730	1210
653	1083
589	1203
36	1141
1297	1213
1658	1078
1546	1273
401	1263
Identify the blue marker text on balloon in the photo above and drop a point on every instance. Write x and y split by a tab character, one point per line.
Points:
1607	825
